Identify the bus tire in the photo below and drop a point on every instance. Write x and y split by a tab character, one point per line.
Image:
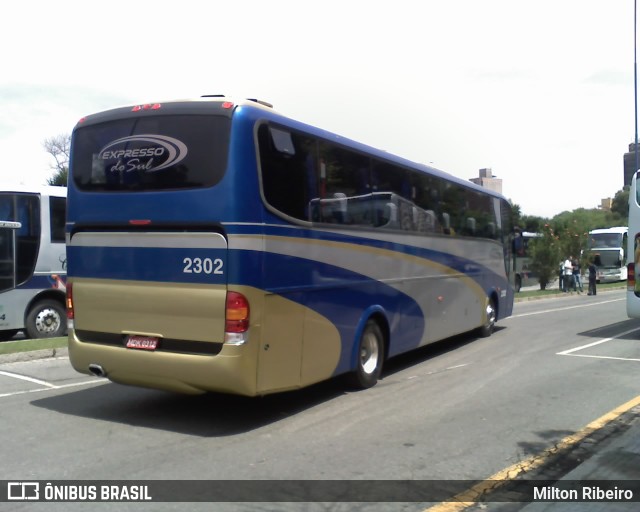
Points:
369	357
489	319
46	319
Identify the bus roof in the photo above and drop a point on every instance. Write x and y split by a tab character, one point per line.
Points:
618	229
44	190
261	109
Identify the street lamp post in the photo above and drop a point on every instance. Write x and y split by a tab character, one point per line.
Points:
635	74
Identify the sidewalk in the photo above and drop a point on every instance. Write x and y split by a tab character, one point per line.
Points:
609	458
605	455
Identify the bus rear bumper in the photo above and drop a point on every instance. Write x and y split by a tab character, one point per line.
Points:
233	370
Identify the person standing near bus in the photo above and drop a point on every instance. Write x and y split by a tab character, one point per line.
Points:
577	281
592	278
568	274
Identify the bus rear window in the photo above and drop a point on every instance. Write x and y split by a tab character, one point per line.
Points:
151	153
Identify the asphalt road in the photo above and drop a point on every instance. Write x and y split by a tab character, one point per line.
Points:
464	410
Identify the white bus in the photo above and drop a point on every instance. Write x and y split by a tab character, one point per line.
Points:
33	262
633	251
608	249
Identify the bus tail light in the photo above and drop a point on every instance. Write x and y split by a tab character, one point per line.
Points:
69	301
236	319
146	106
631	277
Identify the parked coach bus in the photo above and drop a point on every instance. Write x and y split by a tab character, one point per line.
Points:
633	251
607	248
32	262
215	245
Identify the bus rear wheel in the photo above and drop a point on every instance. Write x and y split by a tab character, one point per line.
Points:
370	357
46	319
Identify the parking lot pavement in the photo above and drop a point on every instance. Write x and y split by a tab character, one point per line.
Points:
38	371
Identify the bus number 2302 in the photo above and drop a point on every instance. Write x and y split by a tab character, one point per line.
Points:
202	266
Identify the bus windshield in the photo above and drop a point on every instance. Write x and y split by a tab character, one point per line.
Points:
151	153
607	259
605	240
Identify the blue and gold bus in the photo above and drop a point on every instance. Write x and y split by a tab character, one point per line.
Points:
215	245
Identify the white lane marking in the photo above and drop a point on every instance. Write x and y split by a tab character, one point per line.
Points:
457	366
28	379
63	386
555	310
435	372
602	357
571	351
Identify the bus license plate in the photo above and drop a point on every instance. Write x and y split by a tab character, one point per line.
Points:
142	342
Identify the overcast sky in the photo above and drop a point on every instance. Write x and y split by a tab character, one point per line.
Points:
540	91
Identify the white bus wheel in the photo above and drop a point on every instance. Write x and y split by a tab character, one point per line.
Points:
490	319
370	357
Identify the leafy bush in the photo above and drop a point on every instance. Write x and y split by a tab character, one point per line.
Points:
545	256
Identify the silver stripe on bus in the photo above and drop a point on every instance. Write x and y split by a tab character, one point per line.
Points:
189	240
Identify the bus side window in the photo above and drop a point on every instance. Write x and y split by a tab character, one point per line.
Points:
471	226
431	221
286	173
28	236
391	215
446	223
345	185
339	211
491	230
57	215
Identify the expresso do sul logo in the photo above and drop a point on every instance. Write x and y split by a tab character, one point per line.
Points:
147	153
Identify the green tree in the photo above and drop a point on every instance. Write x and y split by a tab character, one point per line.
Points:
516	214
583	218
620	206
545	256
572	239
59	147
533	224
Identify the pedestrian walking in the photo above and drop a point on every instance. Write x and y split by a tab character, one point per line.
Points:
592	278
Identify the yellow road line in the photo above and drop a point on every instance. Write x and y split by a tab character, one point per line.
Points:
470	497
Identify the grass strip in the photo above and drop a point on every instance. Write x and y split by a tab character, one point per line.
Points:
552	292
12	347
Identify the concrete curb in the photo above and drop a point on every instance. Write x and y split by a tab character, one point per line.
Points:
34	354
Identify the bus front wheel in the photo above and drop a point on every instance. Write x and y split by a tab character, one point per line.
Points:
46	319
490	319
369	358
